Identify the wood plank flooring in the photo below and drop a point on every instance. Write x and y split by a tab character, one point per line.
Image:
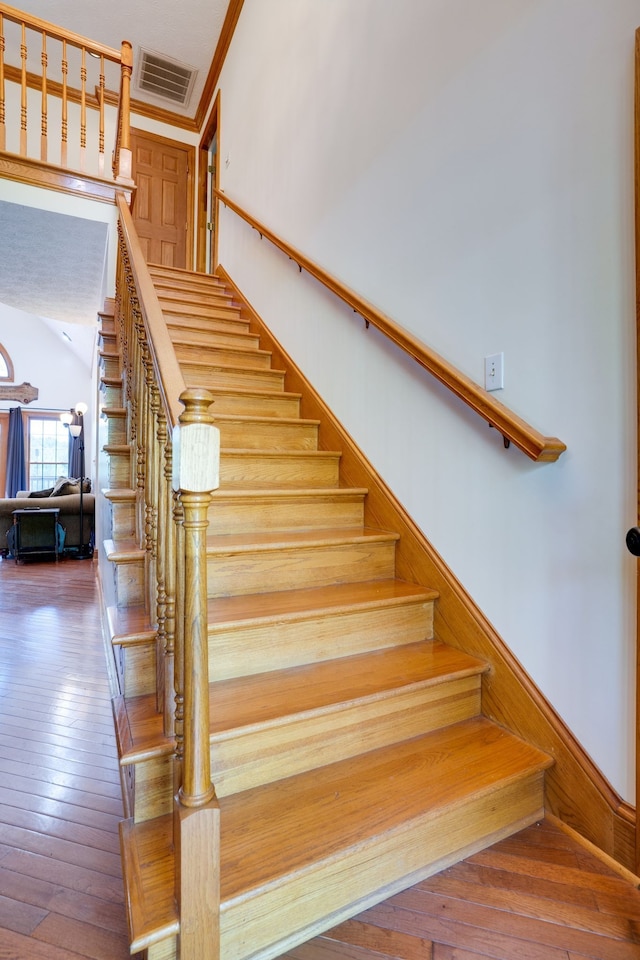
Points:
539	895
536	896
61	893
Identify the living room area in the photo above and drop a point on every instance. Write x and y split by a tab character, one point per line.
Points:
54	277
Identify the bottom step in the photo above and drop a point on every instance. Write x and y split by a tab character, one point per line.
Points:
302	854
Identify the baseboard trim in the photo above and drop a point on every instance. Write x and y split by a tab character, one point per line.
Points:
577	793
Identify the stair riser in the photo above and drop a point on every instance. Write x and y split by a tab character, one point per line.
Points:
277	645
153	788
316	899
187	325
107	341
242	515
256	405
107	324
136	665
310	469
111	395
123	519
129	582
258	435
110	366
246	358
297	567
210	377
116	429
175	279
195	298
119	468
268	753
262	756
212	337
201	311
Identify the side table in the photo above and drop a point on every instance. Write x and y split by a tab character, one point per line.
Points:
36	533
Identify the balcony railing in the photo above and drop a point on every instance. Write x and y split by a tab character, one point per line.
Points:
57	103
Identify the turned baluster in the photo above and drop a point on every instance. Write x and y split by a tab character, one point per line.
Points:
83	110
23	93
65	120
44	123
3	129
101	88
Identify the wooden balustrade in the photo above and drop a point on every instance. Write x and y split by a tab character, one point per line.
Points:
36	55
173	485
512	427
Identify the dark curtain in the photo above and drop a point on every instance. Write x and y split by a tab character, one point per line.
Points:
16	465
75	458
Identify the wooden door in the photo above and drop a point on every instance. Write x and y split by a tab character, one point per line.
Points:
161	170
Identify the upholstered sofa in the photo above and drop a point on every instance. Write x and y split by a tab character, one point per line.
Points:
59	498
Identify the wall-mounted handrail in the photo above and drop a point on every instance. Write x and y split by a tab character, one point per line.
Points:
34	35
512	427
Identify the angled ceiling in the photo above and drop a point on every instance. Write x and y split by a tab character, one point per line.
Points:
187	32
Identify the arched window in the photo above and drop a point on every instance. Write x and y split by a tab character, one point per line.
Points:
6	366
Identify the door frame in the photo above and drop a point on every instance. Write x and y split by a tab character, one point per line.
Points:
637	259
212	128
191	157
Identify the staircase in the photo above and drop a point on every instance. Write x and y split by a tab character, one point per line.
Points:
349	752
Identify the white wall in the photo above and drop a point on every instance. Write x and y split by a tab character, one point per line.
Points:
468	167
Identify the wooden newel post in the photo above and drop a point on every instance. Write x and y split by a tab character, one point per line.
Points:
123	135
196	458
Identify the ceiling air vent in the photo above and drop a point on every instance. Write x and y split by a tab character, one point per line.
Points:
165	78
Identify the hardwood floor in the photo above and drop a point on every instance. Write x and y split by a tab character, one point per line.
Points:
537	896
61	893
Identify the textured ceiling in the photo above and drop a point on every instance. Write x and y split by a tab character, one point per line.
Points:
187	31
62	259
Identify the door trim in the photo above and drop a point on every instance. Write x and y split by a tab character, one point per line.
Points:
637	258
213	126
191	164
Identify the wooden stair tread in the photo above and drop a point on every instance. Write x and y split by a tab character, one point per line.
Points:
277	539
289	493
243	703
230	367
119	494
123	551
314	601
190	294
247	393
346	804
275	421
319	816
222	349
268	697
130	624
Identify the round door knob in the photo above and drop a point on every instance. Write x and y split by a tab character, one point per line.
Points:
633	541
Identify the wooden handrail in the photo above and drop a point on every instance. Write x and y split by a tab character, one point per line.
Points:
49	87
59	33
167	369
512	427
